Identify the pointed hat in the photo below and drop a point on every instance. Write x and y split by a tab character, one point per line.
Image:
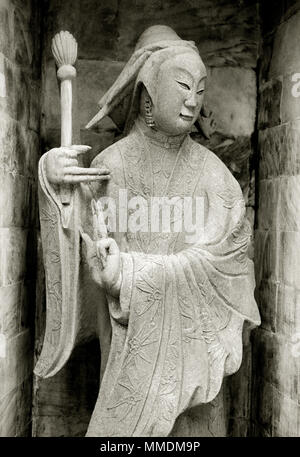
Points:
118	101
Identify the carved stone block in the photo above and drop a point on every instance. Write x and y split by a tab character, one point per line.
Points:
268	203
10	304
17	201
265	255
288	310
289	207
272	144
286	414
13	246
269	104
285	58
288	258
17	365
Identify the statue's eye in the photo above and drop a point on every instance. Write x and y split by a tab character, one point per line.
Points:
199	92
184	85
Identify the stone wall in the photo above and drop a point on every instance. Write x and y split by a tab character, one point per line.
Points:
276	366
227	34
19	151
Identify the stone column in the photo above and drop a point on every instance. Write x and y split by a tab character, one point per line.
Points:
19	152
276	355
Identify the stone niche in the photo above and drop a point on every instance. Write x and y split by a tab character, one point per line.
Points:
227	34
20	77
252	55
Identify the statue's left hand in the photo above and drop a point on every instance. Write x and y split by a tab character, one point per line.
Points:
103	258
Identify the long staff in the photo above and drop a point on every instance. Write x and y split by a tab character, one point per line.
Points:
64	49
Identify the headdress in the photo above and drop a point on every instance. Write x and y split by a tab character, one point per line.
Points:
154	46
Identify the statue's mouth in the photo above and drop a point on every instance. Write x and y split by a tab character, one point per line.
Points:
186	117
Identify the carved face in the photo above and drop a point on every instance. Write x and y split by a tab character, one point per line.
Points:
179	93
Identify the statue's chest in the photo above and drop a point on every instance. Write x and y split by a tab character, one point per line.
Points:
159	183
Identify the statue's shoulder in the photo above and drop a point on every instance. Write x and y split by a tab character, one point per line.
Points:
215	172
112	155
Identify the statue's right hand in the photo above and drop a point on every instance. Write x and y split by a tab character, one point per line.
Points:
62	167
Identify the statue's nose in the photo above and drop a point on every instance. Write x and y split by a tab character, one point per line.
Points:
191	102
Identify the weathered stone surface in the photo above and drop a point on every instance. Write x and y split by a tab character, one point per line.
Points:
290	158
10	305
275	400
17	254
17	200
290	104
285	417
24	400
7	142
241	39
265	57
24	159
272	401
102	31
265	255
231	94
262	406
19	150
268	203
13	370
5	30
19	23
266	296
289	259
238	390
274	358
278	148
16	103
269	104
272	145
116	27
288	311
289	208
286	56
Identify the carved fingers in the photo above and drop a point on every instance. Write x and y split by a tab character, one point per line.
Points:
103	258
62	167
109	254
107	247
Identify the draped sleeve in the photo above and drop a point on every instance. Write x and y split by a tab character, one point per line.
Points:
177	325
71	296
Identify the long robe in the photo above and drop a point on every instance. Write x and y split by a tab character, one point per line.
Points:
176	329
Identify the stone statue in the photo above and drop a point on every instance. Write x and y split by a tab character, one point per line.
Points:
168	305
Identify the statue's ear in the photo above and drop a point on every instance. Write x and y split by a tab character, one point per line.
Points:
136	105
205	122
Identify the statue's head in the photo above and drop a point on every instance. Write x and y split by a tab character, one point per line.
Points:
164	81
173	82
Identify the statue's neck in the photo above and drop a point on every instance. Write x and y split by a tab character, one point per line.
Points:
169	141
